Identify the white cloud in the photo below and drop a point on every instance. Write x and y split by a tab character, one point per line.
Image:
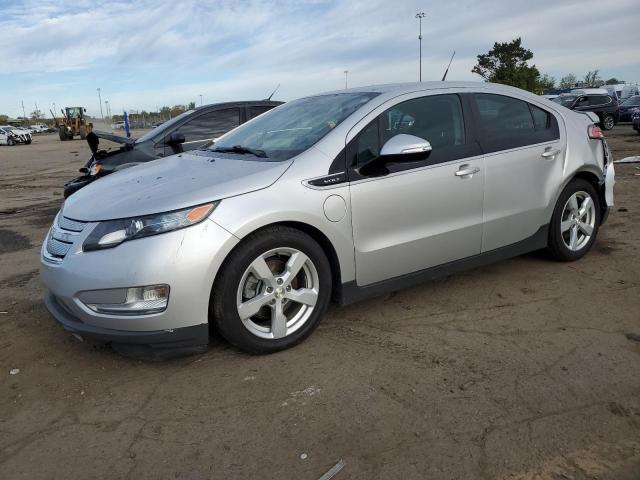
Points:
147	53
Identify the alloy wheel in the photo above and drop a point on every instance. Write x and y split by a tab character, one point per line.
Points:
578	221
277	293
608	122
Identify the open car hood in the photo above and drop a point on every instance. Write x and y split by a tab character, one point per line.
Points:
114	138
171	183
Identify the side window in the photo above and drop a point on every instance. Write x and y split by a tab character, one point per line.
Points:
541	118
256	110
582	102
596	100
210	125
435	118
507	122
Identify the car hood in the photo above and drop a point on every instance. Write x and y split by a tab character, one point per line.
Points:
114	138
171	183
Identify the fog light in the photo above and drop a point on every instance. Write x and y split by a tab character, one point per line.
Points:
139	301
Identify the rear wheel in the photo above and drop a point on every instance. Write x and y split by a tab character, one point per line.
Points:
272	290
62	135
575	221
608	122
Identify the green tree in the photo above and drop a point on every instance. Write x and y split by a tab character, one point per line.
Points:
546	81
4	119
568	81
613	81
508	63
191	106
591	79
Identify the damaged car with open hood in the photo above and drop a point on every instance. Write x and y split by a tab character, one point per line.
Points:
188	131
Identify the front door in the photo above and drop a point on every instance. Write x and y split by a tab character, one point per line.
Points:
421	214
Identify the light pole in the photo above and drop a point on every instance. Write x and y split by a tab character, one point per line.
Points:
346	76
106	106
24	115
420	16
100	101
200	99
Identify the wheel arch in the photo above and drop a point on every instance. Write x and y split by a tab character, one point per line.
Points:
313	232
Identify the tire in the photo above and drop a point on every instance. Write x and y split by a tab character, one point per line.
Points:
11	142
62	135
83	133
561	243
270	252
608	122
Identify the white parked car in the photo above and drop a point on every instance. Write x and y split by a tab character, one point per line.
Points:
38	128
7	137
20	135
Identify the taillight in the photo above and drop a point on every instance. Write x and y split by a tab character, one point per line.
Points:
595	132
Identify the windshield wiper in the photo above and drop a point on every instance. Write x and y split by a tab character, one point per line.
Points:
240	149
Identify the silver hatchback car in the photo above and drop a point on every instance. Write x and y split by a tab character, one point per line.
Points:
338	196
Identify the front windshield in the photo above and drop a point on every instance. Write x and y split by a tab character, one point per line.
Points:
565	100
632	102
159	131
286	131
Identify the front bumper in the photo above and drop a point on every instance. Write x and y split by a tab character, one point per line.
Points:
187	260
156	342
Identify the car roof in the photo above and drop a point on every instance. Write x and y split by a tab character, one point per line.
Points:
266	103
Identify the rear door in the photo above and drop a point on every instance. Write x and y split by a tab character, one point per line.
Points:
416	215
524	146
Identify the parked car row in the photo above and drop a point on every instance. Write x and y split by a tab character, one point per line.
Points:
342	195
10	135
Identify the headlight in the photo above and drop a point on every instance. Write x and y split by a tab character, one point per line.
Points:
95	169
113	232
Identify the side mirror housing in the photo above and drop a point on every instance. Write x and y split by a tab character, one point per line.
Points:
405	147
401	148
175	138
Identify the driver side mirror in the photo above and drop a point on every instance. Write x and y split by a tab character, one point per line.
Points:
401	148
175	138
405	147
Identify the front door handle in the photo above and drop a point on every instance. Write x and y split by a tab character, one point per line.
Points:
550	152
466	170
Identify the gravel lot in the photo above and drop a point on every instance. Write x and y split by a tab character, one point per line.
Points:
520	370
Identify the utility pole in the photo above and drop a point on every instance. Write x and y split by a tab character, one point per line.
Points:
346	75
420	16
37	111
24	115
100	101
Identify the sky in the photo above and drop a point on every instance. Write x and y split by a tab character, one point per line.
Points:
148	53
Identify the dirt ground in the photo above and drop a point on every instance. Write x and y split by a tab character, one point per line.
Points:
520	370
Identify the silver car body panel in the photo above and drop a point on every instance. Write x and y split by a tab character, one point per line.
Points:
378	228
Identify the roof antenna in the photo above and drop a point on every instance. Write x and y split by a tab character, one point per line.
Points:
273	93
444	77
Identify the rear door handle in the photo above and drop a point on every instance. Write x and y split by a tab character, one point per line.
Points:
466	170
550	152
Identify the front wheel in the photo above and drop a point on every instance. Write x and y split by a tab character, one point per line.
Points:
11	142
575	221
608	122
272	290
